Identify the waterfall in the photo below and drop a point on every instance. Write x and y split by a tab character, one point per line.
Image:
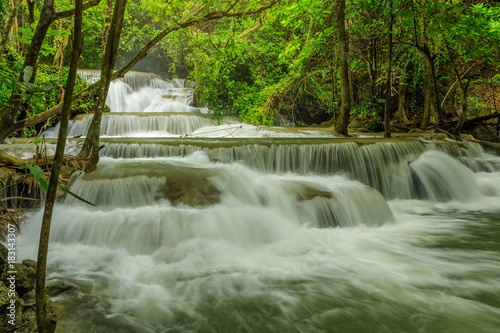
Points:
388	167
238	228
141	125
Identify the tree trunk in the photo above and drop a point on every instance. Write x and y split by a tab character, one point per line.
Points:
41	305
8	27
373	71
465	105
387	129
343	121
437	103
426	117
401	114
9	112
108	64
31	11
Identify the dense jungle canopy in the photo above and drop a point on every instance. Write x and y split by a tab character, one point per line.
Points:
421	63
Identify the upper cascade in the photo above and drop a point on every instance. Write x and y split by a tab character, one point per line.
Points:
138	92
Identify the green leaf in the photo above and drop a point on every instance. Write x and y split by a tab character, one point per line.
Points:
74	195
43	184
35	170
28	72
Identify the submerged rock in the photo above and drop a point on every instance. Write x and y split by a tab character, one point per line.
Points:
192	192
59	288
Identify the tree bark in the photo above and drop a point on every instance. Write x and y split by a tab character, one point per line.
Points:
372	69
108	64
41	304
426	117
401	114
465	105
387	129
344	74
8	27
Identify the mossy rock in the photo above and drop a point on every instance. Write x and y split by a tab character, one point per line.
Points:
483	133
5	301
29	314
3	257
25	276
24	297
192	192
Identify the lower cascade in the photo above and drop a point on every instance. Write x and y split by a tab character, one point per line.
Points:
270	231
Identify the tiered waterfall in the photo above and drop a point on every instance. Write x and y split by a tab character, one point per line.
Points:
201	227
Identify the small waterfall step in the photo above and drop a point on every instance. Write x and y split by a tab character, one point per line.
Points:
396	167
181	184
147	124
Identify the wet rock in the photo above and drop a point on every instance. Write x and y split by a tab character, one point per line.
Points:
59	288
191	192
309	193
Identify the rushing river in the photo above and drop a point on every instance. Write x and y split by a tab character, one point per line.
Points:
257	230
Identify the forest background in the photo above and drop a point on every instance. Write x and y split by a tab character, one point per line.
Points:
422	63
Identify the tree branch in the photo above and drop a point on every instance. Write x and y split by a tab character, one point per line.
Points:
205	18
71	12
38	118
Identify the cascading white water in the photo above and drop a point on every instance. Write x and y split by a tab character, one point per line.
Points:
276	234
389	167
135	125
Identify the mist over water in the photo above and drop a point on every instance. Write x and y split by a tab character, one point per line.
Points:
270	237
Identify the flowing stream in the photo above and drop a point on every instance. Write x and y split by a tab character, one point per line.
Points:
203	227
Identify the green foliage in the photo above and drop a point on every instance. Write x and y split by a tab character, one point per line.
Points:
258	70
93	36
281	63
10	66
367	115
38	97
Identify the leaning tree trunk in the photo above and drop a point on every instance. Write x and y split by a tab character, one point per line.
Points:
91	145
344	74
41	304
